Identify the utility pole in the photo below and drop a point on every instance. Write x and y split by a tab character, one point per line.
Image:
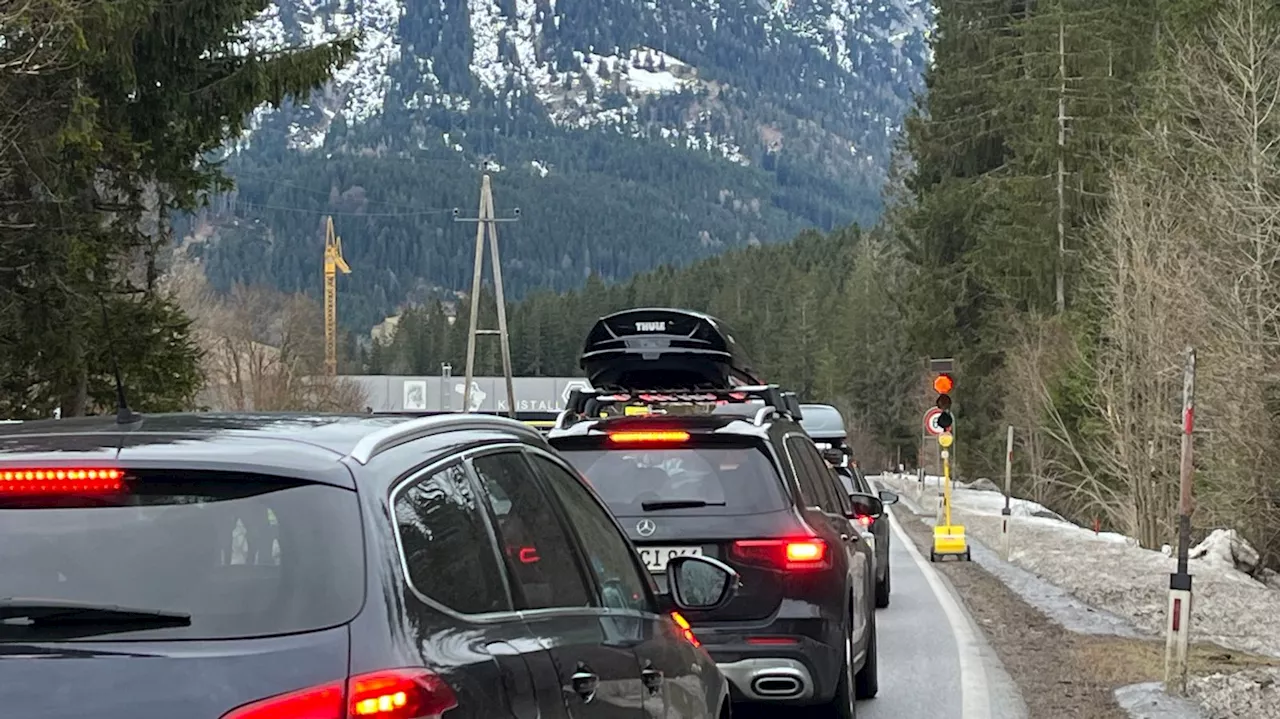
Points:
486	222
1178	634
1060	289
446	373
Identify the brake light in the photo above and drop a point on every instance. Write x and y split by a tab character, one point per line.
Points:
98	480
865	520
814	550
388	694
808	553
529	555
685	629
660	436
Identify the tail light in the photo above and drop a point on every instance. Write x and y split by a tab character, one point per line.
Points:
97	480
388	694
807	553
865	520
685	630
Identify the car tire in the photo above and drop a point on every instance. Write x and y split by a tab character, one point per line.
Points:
844	704
882	590
867	682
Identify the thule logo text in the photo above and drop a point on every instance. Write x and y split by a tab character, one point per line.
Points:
651	327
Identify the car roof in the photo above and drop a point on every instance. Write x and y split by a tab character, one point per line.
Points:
822	421
311	446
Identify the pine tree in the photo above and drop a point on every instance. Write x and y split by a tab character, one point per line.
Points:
121	140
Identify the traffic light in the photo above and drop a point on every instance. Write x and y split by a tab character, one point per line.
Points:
943	384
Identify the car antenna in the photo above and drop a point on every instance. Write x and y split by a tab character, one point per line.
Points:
124	415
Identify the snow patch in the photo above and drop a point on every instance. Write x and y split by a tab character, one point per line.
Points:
1110	572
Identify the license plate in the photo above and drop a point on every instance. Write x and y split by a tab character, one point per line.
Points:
656	558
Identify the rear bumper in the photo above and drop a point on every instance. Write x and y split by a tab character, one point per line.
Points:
786	662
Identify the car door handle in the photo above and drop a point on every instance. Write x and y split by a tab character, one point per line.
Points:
585	682
652	679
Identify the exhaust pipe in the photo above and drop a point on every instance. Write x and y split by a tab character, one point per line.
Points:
778	686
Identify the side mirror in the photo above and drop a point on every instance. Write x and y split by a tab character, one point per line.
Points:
701	584
866	505
888	497
834	457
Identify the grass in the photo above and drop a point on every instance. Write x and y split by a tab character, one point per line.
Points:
1120	661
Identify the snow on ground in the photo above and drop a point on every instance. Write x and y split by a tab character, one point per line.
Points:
1111	573
1243	695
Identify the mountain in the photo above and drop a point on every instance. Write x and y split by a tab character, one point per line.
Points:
630	133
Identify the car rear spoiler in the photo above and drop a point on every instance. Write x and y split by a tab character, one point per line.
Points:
587	404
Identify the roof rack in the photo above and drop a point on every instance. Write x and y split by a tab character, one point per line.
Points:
586	404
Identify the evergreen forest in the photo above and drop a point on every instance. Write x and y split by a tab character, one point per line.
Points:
1087	190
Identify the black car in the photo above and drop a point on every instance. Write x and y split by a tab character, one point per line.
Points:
730	474
825	425
268	566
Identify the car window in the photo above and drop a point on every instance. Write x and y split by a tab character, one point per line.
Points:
848	482
841	494
811	472
540	553
622	582
734	480
243	555
446	543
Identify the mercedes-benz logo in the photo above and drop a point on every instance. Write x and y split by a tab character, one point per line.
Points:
646	527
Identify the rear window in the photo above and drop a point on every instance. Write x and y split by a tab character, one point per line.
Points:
243	555
732	480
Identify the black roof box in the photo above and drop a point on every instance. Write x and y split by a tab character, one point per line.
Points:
663	348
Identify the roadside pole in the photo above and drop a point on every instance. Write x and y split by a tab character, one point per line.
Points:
948	538
1178	637
1006	514
946	487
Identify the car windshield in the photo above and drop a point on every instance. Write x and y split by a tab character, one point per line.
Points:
243	556
729	480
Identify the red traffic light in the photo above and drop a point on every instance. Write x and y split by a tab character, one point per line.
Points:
943	383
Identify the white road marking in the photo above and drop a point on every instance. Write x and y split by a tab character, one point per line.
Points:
975	698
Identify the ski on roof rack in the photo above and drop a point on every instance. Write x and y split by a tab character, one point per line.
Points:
593	404
664	347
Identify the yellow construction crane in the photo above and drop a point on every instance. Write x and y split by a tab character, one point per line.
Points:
333	262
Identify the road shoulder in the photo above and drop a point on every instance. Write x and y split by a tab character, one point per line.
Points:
1060	673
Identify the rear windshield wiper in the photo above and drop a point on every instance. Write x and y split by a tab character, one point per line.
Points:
678	504
32	612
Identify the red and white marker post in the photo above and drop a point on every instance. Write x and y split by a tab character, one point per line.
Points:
1006	514
1178	634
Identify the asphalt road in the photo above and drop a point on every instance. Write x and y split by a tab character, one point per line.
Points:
934	661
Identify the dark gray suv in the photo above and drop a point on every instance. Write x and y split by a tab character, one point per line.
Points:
825	425
267	566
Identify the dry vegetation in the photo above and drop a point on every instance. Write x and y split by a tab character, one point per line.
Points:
263	349
1186	254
